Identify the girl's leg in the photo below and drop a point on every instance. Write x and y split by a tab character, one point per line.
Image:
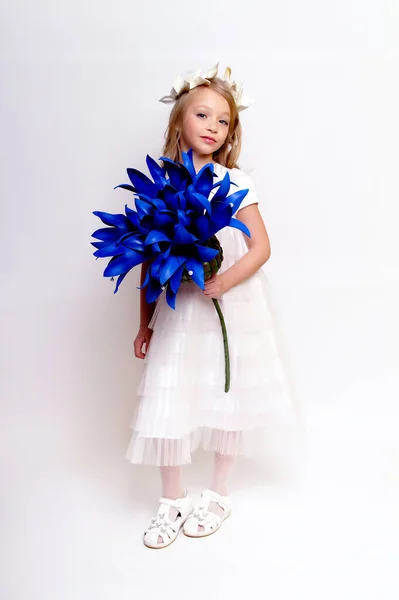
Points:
171	486
171	482
223	467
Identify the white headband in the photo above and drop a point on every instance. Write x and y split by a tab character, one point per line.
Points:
195	79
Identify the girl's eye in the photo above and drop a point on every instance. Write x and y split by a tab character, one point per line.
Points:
202	115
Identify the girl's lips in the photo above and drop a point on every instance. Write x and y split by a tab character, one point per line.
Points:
208	140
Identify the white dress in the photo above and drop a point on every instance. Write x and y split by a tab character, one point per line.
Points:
182	404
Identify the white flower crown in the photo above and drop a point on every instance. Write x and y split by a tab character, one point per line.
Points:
195	79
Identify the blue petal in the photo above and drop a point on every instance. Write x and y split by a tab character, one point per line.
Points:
204	202
142	183
166	252
206	254
107	234
114	249
129	211
184	219
182	199
134	242
146	280
169	268
220	218
156	267
177	175
171	197
204	180
134	220
197	201
98	244
223	189
120	221
156	236
236	199
156	171
239	225
125	262
175	280
197	269
182	236
171	297
143	208
158	203
202	225
163	220
125	186
154	290
119	281
189	164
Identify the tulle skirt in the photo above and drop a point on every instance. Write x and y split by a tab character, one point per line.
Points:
182	404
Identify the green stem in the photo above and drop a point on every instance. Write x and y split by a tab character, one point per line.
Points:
225	344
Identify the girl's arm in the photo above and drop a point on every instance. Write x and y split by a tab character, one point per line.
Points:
258	253
144	334
146	310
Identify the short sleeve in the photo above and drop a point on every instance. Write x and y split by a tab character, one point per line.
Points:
244	182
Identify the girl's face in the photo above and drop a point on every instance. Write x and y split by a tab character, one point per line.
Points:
205	124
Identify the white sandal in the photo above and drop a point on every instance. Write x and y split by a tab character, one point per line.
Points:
161	526
200	515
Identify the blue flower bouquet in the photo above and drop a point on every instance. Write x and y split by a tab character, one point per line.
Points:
174	225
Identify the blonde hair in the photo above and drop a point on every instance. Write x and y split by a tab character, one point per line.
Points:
228	154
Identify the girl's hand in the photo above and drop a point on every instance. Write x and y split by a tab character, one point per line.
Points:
143	337
214	287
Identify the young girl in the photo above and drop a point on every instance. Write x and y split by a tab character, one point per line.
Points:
183	405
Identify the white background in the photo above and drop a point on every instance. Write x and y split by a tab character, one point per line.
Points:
79	88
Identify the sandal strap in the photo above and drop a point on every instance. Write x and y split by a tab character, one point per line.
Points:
164	531
170	502
179	503
210	496
203	518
